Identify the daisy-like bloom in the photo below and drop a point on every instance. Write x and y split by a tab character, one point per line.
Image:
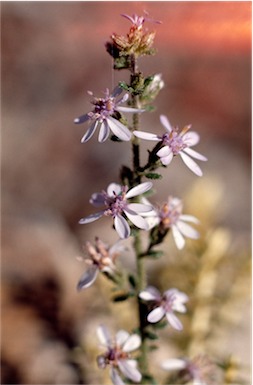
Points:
101	258
117	355
165	305
175	142
169	216
200	370
115	200
102	116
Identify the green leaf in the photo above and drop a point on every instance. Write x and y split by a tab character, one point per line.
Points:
155	254
160	325
153	175
151	336
132	281
121	297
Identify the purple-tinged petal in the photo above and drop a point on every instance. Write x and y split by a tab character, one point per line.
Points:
150	294
115	377
178	238
82	119
103	132
174	364
88	278
129	370
167	159
119	129
89	132
191	164
104	336
121	337
140	207
164	151
189	218
121	226
97	199
191	138
195	154
113	188
136	219
187	230
165	122
146	135
138	190
91	218
130	109
156	315
132	343
174	321
116	92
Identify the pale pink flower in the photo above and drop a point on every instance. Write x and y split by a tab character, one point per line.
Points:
101	117
175	142
117	355
165	305
138	21
170	216
101	258
200	370
115	200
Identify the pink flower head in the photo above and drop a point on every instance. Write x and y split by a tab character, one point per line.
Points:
200	370
117	355
165	305
102	117
101	258
115	200
175	142
138	21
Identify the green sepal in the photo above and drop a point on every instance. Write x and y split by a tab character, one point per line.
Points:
153	175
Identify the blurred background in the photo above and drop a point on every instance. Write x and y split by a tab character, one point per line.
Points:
52	54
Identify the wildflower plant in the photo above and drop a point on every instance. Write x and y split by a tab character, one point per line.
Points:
127	202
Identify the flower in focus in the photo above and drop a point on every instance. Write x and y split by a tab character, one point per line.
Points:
165	305
101	258
200	370
175	142
116	205
102	117
117	355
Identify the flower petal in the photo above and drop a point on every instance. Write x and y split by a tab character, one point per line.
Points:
119	129
187	230
132	343
146	135
174	321
91	218
178	237
121	337
165	122
189	218
97	199
174	364
104	335
164	151
195	154
88	278
156	315
82	119
191	164
138	190
129	370
140	207
130	109
191	138
150	294
121	226
136	219
115	377
167	159
113	188
89	132
103	132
